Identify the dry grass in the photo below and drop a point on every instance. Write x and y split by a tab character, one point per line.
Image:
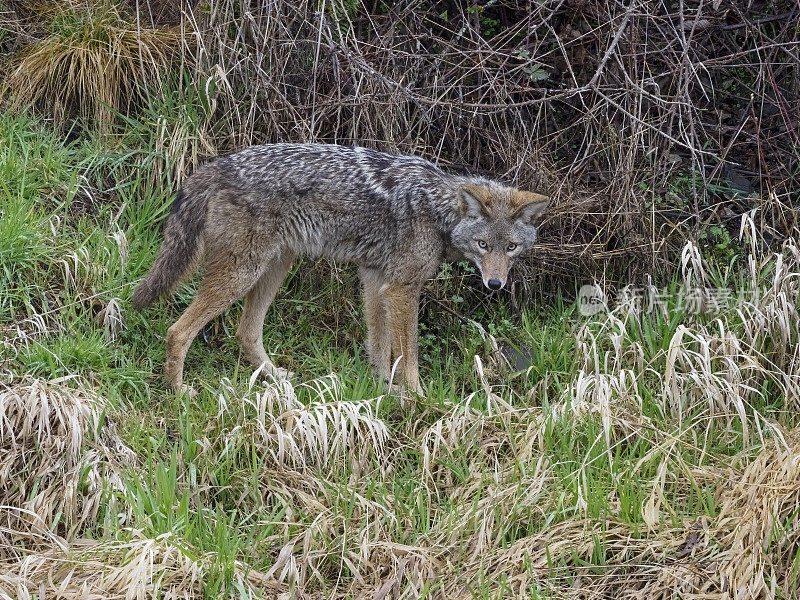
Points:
138	569
300	436
93	63
52	478
640	118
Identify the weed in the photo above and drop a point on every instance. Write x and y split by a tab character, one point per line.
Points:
92	62
627	445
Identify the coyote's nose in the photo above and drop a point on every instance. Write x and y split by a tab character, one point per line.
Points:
494	284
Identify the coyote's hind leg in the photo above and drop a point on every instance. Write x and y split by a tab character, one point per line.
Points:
220	288
250	333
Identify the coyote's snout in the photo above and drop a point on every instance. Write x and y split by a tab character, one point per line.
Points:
247	216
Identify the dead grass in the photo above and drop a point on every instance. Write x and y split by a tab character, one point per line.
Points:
138	569
502	517
52	478
93	63
328	431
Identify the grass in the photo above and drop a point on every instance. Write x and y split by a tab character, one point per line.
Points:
92	58
620	456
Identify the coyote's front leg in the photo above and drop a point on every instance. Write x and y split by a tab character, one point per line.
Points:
402	306
379	341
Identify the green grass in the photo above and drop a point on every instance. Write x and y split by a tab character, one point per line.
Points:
474	474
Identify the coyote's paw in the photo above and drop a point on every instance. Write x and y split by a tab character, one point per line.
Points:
269	372
187	390
280	373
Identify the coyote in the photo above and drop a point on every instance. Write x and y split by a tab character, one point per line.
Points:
248	215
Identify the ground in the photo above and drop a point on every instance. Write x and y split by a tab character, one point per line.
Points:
648	450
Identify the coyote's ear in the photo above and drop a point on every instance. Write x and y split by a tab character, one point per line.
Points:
532	205
470	202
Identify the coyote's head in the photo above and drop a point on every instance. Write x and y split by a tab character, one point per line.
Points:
496	226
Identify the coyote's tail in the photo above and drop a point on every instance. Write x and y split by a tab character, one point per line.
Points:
178	251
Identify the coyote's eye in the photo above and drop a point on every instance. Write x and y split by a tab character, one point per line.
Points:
511	247
482	245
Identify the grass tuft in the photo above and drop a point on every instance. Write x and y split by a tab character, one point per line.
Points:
51	475
92	63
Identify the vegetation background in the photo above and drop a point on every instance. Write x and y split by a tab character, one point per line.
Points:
650	451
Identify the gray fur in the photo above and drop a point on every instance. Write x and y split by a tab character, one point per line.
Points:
178	251
246	216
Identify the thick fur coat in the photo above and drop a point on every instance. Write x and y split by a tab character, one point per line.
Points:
247	216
